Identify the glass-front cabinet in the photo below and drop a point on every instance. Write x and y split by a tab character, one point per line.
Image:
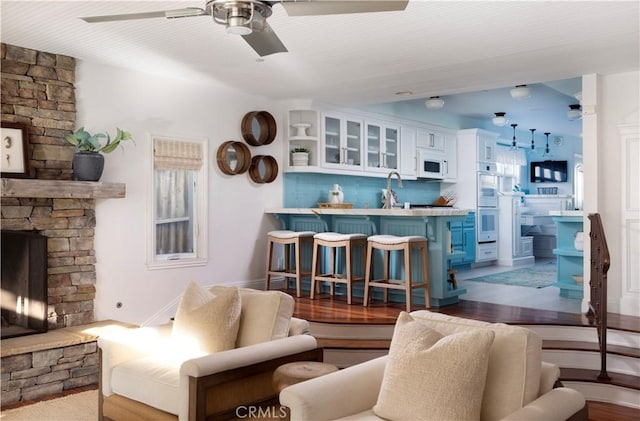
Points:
382	147
342	142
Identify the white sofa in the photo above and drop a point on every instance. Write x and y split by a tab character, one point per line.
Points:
146	375
519	386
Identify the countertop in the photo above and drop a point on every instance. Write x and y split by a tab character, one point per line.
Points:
372	212
567	213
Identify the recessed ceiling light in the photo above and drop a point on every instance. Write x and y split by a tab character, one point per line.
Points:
404	93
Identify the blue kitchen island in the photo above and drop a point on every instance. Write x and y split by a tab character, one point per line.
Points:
433	223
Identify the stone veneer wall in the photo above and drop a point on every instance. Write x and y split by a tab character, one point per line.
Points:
38	90
35	375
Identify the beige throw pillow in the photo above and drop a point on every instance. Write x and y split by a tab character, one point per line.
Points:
265	315
433	377
207	321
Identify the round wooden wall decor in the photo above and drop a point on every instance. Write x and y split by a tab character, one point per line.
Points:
264	169
258	128
233	157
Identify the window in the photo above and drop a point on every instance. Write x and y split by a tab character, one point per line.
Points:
509	165
178	201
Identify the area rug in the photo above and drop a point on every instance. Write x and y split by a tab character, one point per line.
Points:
81	406
540	275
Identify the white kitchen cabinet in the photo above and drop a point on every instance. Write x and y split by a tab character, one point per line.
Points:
431	139
487	149
342	143
382	147
451	159
302	131
470	143
408	151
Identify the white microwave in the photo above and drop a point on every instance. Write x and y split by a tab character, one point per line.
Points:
430	164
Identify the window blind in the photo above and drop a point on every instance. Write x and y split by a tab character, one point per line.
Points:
177	155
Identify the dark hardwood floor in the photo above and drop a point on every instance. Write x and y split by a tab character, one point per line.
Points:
327	309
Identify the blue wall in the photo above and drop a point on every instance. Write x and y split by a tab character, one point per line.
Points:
305	190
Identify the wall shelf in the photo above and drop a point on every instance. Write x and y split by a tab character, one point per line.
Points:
66	189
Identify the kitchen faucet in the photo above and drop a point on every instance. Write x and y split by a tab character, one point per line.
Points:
387	197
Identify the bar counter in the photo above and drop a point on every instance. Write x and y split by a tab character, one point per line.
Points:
432	223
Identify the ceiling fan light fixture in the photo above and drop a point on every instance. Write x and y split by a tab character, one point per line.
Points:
238	26
521	92
500	120
240	16
434	103
574	112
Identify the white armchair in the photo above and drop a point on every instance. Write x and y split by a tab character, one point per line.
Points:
146	375
519	386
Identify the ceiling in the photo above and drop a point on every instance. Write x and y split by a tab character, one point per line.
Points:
431	48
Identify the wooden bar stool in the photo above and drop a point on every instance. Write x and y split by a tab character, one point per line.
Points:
335	241
407	244
288	239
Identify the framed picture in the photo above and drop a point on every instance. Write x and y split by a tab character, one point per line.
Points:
14	150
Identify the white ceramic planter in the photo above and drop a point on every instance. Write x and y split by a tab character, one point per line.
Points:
300	159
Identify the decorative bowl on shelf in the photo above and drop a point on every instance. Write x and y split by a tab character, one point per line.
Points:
578	279
302	129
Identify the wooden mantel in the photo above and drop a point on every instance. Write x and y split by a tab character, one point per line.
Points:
17	187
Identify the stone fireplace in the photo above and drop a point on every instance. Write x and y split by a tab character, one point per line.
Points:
64	213
38	91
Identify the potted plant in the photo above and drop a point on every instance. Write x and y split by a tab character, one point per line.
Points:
300	156
88	161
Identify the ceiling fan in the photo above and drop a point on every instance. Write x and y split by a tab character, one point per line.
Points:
249	17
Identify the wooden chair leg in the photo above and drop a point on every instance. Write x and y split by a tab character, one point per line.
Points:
269	257
425	276
367	274
385	273
348	267
298	268
314	270
408	283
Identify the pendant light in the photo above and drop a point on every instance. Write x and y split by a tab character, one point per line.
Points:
546	149
533	143
514	146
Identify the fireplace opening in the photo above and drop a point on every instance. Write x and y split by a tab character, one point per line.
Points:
24	283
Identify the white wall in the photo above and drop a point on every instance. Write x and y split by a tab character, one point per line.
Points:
619	98
145	105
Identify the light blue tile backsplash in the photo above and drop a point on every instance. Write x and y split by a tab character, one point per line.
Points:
305	190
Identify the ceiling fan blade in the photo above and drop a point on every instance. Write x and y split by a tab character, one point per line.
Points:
335	7
265	42
169	14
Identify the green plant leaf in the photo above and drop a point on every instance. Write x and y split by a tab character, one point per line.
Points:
71	138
